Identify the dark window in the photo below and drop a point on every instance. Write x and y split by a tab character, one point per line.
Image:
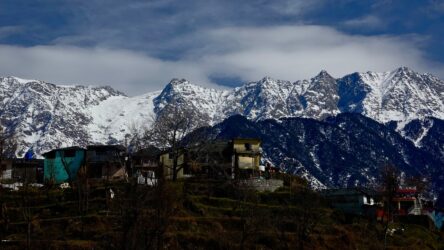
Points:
69	153
101	152
186	169
50	155
247	146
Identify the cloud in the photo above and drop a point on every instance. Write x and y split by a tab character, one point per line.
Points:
6	31
128	71
366	22
436	6
147	25
292	7
296	52
246	53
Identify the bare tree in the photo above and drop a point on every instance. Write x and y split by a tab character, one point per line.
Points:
146	213
8	144
308	216
134	139
302	213
83	189
4	218
170	127
252	217
389	185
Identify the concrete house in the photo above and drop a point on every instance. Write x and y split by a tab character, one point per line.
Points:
407	201
6	169
61	165
237	158
213	159
246	157
167	162
22	170
30	171
145	165
357	201
105	161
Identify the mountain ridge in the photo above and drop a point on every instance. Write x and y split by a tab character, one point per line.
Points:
45	115
346	150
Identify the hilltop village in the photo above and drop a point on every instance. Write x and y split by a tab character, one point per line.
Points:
170	198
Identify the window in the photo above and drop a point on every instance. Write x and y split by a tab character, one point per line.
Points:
150	174
69	153
101	152
247	146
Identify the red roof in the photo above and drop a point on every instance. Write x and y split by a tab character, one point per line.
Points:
404	199
406	190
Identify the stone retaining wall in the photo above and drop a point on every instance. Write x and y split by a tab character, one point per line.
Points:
265	185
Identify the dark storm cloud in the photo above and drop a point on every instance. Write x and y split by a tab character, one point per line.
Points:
139	45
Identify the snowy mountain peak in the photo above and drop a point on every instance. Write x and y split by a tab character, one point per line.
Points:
267	79
270	83
404	70
177	82
37	85
20	80
45	115
398	95
323	74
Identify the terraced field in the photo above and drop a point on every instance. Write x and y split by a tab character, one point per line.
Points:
189	214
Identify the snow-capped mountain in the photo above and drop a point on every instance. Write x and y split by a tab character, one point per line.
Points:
398	95
46	116
208	102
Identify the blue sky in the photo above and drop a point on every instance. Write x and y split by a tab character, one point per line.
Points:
138	46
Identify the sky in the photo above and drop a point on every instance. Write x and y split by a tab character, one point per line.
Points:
139	46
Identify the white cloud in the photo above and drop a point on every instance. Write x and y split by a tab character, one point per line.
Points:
284	52
6	31
295	52
124	70
293	7
369	22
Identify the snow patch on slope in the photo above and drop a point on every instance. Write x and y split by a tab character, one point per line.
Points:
119	115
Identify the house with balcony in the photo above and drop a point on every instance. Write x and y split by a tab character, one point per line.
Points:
237	158
144	165
246	157
105	161
407	201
